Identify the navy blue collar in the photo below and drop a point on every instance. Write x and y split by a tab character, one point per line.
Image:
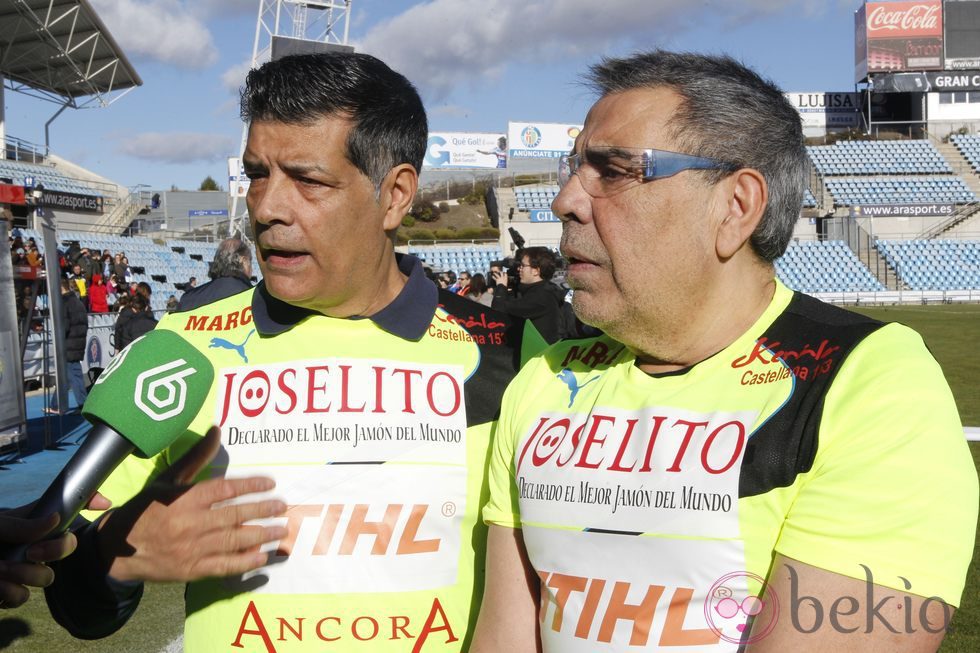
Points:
407	316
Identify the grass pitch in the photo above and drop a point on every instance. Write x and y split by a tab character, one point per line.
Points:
952	333
158	621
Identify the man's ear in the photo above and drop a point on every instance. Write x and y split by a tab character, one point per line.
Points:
746	198
397	194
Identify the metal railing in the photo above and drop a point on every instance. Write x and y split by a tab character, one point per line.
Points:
900	296
124	210
452	243
17	149
961	214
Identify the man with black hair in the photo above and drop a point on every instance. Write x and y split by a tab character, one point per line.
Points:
122	335
345	378
134	320
535	298
733	464
230	273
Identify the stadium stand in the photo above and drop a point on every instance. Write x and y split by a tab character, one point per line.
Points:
163	267
969	147
878	158
824	266
809	201
934	264
888	172
18	171
473	257
900	190
809	266
535	197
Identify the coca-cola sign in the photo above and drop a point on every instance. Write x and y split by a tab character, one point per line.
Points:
905	19
898	36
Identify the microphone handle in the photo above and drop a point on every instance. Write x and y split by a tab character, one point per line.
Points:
97	457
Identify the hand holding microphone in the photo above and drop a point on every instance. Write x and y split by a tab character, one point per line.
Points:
20	531
172	531
143	402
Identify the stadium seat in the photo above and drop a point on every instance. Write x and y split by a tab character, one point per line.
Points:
824	266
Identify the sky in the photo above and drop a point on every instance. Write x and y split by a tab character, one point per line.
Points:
477	64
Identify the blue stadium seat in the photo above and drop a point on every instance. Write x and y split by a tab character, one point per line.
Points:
934	264
824	266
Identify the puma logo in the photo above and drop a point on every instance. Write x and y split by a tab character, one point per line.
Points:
569	379
221	343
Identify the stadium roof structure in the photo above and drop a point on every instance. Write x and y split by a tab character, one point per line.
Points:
59	50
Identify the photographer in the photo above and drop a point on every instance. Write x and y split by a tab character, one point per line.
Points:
536	298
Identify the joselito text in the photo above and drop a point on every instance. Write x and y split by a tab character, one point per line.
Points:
338	389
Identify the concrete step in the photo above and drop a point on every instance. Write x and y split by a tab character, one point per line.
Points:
966	228
960	166
885	273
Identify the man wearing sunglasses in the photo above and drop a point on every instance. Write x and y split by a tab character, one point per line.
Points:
464	283
732	463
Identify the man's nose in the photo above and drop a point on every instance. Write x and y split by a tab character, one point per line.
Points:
271	201
572	202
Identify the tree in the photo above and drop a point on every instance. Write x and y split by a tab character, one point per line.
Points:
209	184
424	210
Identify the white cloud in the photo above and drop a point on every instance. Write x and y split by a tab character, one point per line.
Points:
451	110
178	147
163	30
233	78
442	44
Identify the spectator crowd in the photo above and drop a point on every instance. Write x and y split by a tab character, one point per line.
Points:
103	282
525	286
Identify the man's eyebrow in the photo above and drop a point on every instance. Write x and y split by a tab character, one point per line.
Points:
621	152
300	169
295	169
611	152
252	164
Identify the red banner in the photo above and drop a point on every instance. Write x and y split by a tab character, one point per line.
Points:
10	194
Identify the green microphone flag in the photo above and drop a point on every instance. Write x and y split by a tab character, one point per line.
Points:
151	391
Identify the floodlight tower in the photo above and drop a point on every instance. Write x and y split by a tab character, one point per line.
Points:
310	21
288	27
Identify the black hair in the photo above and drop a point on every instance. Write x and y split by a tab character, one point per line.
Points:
543	259
389	123
478	284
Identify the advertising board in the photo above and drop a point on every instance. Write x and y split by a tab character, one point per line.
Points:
827	109
962	34
898	36
448	150
539	140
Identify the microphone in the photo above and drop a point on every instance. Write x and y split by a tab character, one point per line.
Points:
141	403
